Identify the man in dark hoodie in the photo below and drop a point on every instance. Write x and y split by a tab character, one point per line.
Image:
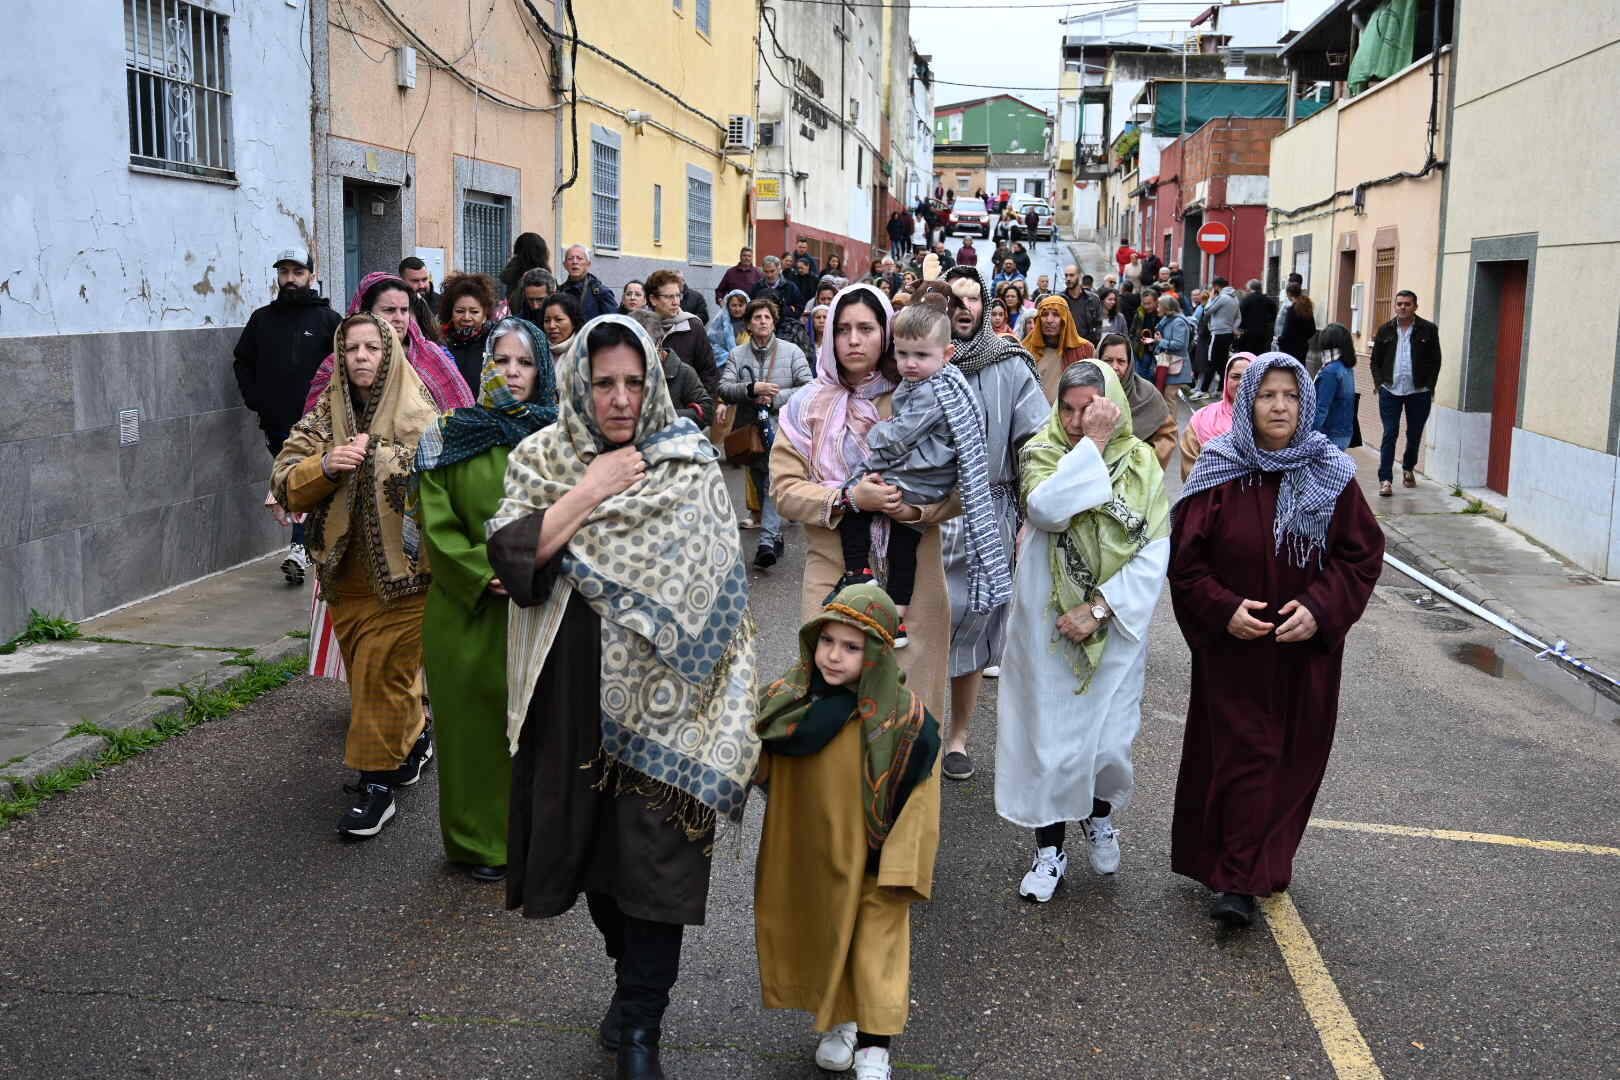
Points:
277	355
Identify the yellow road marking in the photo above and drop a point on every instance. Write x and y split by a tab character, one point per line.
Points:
1473	837
1341	1039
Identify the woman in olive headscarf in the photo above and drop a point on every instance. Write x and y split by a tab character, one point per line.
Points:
348	465
1089	574
461	470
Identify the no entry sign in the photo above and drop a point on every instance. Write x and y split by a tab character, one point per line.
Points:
1214	238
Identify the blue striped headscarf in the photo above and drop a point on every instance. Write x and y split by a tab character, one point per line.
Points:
1314	470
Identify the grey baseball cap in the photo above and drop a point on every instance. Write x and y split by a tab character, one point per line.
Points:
294	255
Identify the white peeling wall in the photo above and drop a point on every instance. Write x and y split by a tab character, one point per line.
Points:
87	245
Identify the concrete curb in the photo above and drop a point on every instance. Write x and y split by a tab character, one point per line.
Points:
143	713
1403	547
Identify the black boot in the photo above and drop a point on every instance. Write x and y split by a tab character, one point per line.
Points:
638	1054
1236	910
607	1032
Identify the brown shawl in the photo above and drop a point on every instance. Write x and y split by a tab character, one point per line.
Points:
369	502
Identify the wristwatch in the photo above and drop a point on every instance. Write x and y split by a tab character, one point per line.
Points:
1100	612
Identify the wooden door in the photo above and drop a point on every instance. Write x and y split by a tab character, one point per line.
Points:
1505	378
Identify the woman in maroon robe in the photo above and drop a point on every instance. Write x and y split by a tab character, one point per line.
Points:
1273	553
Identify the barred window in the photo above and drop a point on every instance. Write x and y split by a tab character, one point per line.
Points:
702	9
699	216
658	213
605	147
178	77
486	232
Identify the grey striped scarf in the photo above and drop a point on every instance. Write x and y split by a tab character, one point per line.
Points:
989	576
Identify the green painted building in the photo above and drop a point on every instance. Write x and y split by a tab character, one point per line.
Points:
1006	124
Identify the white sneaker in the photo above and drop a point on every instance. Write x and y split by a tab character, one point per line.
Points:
295	564
1104	841
1044	874
836	1051
993	671
872	1063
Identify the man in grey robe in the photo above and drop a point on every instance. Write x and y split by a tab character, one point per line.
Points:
1003	377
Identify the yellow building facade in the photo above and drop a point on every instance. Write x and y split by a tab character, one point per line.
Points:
647	179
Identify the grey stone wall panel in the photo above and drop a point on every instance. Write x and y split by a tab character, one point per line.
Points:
113	372
43	574
227	450
39	388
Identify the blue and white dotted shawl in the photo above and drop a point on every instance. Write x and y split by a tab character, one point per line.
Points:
661	566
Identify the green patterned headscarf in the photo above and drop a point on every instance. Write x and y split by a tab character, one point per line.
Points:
1100	541
894	724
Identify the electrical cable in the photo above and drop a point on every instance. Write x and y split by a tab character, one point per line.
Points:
573	91
616	62
454	72
344	22
472	38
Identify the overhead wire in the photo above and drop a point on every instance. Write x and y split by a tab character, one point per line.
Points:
456	73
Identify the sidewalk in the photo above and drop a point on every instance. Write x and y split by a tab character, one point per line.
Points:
107	677
1090	258
1459	544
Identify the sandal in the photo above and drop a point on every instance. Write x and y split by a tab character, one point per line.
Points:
1386	489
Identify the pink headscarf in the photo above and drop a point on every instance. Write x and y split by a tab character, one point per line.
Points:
436	370
827	422
1216	419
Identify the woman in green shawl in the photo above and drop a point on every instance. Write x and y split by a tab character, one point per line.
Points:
461	466
848	746
1090	571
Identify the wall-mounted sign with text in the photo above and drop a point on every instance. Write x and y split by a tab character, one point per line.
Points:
768	188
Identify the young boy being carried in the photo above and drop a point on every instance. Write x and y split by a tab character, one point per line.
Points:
849	747
934	442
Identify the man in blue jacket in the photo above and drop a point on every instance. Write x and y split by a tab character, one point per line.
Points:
594	297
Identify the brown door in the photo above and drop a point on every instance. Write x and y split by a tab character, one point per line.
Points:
1347	281
1505	382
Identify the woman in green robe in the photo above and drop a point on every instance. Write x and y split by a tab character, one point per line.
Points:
461	469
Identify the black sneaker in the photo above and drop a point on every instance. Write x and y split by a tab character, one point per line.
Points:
367	817
957	766
780	545
851	577
1235	910
765	557
421	753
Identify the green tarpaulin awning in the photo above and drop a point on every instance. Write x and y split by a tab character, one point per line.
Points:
1386	44
1208	100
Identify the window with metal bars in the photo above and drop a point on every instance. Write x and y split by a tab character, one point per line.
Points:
486	232
178	78
604	195
701	9
658	213
1383	306
699	216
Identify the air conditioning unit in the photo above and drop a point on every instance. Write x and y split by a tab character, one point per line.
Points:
739	132
767	133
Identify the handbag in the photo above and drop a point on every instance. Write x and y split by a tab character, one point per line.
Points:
745	443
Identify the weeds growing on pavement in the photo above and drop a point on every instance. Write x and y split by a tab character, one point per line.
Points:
201	707
42	628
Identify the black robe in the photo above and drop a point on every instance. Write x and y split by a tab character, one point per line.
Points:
568	833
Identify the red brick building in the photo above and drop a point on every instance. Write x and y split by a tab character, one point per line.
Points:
1218	173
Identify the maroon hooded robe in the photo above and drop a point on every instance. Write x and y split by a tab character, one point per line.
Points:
1261	716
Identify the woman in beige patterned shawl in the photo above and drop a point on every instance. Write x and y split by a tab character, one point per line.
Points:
630	668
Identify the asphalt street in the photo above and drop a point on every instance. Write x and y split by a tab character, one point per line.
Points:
193	914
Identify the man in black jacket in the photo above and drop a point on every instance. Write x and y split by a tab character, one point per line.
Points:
280	348
1084	304
1257	314
1405	364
